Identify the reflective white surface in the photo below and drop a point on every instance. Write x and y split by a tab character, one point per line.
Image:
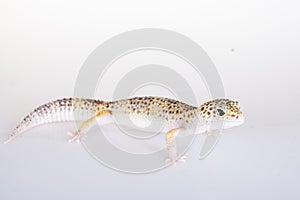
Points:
255	46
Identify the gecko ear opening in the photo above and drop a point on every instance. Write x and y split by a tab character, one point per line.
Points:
221	112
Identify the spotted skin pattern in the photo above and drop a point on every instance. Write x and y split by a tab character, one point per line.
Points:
166	110
221	109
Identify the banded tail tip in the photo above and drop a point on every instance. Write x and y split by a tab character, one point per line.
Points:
6	141
10	137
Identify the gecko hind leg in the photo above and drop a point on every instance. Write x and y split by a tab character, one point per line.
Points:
171	147
85	126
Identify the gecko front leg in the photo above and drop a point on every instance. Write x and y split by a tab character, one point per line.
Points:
171	146
77	135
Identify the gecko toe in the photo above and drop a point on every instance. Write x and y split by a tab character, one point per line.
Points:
75	136
70	133
181	159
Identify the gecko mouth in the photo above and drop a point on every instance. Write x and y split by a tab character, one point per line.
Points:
240	120
233	122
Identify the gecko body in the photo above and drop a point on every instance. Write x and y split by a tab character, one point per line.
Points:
174	114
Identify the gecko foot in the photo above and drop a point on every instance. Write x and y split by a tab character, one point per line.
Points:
76	136
181	159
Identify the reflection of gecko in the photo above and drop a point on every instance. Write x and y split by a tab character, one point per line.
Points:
174	114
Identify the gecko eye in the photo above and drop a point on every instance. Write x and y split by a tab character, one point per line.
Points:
221	112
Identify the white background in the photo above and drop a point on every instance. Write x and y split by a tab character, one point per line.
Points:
255	46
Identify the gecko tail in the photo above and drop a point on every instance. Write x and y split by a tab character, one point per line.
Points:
55	111
17	131
61	110
9	138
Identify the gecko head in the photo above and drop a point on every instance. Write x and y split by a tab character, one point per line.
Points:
224	110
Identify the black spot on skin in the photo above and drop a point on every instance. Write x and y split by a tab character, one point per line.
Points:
221	112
